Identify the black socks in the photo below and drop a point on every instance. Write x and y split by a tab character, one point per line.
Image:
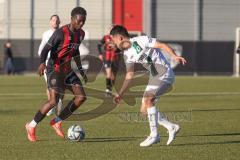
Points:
68	110
39	117
109	84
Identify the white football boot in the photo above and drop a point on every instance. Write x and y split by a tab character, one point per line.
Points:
172	133
149	141
108	93
51	111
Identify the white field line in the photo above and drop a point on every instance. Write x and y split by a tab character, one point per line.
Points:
202	93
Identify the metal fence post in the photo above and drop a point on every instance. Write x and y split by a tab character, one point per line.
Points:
32	29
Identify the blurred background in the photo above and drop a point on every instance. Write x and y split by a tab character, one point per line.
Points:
203	31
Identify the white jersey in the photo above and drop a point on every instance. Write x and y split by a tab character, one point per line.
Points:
142	52
46	36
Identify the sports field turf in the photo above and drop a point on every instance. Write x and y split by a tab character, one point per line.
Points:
207	109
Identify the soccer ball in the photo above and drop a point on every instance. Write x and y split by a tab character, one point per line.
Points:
76	133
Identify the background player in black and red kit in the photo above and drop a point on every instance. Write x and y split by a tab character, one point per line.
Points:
63	44
109	55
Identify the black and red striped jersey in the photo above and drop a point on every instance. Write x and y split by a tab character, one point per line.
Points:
107	47
63	44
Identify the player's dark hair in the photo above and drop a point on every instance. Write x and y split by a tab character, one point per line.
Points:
55	15
78	10
119	30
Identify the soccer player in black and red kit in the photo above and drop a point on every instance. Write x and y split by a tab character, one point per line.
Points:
109	55
63	44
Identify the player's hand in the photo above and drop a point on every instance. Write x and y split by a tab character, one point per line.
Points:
100	57
238	50
41	69
117	99
180	59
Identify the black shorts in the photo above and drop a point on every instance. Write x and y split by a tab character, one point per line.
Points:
111	64
60	81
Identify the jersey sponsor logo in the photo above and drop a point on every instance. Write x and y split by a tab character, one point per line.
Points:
146	60
73	46
142	57
137	47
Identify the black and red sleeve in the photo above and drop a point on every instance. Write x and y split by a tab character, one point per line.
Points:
100	46
52	44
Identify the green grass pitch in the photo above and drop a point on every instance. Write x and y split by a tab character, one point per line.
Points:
207	109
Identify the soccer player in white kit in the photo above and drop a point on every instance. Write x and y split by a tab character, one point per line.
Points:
146	51
54	24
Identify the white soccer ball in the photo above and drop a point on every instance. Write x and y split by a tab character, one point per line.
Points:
76	133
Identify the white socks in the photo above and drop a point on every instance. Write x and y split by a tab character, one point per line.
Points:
163	121
152	118
155	117
33	123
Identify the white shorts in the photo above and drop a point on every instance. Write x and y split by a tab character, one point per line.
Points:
159	85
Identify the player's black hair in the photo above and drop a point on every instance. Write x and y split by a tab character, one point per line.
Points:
55	15
78	10
117	29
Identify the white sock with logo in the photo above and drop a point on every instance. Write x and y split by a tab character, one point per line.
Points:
33	123
152	119
162	120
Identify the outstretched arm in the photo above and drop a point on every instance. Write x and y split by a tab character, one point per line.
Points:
170	51
128	79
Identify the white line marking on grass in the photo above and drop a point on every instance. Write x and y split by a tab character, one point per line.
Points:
22	94
202	93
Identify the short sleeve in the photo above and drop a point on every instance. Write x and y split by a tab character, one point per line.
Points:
148	41
129	64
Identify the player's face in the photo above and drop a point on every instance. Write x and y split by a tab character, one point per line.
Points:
78	21
54	22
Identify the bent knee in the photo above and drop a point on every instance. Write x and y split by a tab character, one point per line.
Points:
147	102
143	111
